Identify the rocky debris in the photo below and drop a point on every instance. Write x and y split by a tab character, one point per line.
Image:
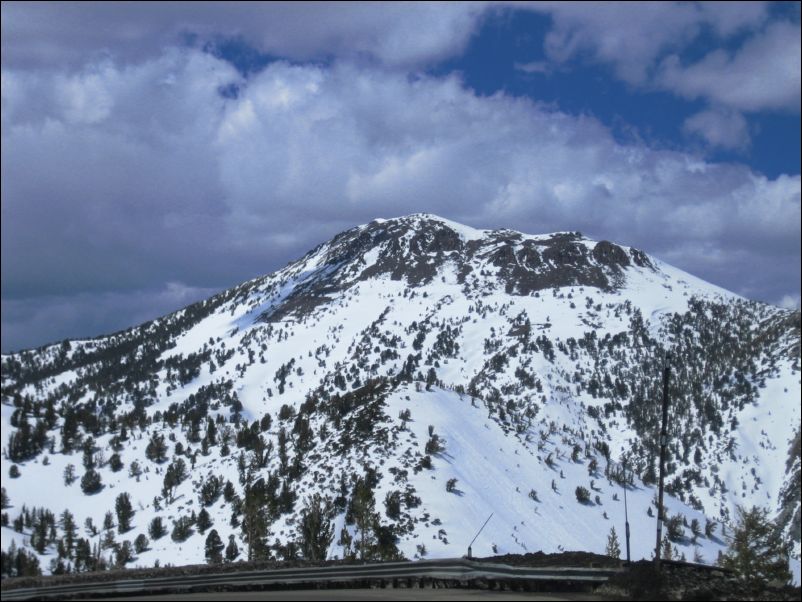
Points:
565	559
686	581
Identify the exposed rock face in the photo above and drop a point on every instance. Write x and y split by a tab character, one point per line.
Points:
416	248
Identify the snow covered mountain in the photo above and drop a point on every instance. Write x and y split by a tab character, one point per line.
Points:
417	375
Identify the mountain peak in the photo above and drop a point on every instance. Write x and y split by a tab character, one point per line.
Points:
422	246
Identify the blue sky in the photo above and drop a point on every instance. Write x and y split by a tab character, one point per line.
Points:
507	41
156	153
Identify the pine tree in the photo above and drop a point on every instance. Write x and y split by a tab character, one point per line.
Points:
157	529
613	545
141	543
182	529
363	510
125	512
203	521
115	462
91	482
317	532
123	554
174	475
232	550
70	529
156	449
757	551
214	548
69	474
667	552
108	521
255	522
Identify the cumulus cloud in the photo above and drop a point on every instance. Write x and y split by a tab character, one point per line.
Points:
720	128
632	38
643	44
763	74
127	176
394	34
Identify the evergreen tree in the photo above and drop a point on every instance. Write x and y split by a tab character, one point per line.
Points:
70	529
141	543
91	482
134	470
613	546
214	548
232	550
667	552
255	520
203	521
84	560
125	512
182	529
123	554
69	474
174	475
363	511
108	521
317	532
156	449
757	551
157	530
115	462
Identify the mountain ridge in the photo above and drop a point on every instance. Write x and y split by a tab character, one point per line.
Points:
543	346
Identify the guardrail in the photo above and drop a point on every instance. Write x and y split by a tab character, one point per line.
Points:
460	571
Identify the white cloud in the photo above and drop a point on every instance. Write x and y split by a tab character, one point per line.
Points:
720	128
642	42
179	183
789	301
633	38
395	34
763	74
628	37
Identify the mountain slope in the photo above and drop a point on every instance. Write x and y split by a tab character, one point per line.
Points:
537	359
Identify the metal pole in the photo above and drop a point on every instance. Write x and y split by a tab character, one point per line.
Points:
626	513
477	534
663	444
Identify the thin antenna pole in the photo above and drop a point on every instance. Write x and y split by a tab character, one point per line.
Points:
626	512
663	444
477	534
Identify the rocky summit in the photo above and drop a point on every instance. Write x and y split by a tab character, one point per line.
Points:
381	396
